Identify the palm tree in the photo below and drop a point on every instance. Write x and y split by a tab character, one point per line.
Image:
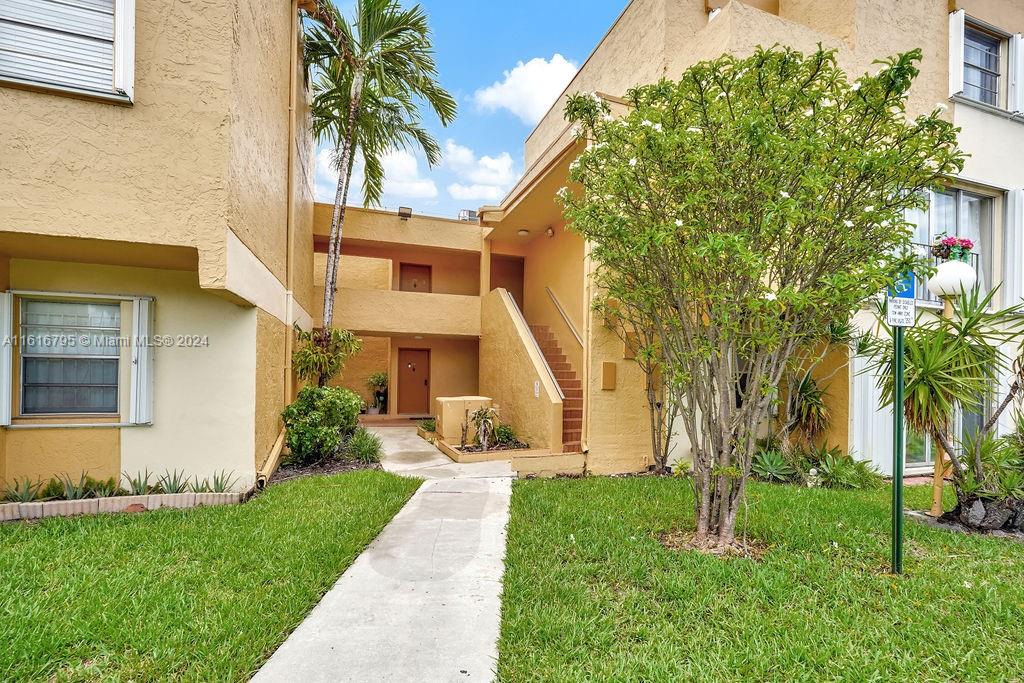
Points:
369	78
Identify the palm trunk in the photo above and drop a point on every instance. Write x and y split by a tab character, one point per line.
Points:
345	165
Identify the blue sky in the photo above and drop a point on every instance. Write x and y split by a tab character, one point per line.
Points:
505	62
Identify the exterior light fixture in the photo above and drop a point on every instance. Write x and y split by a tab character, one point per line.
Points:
549	232
405	212
418	336
523	233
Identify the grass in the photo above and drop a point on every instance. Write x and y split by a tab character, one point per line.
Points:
200	595
590	593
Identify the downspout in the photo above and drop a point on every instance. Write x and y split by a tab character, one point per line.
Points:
274	459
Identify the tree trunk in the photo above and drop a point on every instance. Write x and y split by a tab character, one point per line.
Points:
718	502
345	167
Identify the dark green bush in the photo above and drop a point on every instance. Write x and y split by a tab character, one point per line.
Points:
318	421
428	425
364	446
505	435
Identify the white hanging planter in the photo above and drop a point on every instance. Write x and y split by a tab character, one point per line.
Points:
952	278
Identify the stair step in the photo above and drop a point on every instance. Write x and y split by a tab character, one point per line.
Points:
572	446
559	358
572	425
560	366
568	376
570	384
571	413
573	393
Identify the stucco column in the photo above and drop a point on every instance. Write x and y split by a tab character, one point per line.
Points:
485	266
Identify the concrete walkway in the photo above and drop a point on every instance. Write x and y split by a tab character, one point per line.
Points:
423	601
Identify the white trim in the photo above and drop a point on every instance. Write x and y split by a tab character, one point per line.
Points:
872	423
956	52
140	397
249	278
72	295
297	315
6	356
124	48
74	425
1013	248
1015	97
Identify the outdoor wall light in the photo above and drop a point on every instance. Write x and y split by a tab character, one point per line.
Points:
405	212
523	233
549	232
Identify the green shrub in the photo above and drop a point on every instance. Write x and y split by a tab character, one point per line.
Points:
841	471
102	488
364	446
771	466
52	490
321	354
506	436
318	421
428	425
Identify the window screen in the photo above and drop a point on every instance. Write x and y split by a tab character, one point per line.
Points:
981	66
70	357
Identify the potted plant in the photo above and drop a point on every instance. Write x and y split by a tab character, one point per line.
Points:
378	384
955	274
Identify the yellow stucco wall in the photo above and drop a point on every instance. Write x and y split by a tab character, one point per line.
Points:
511	370
452	272
270	379
40	454
374	311
203	148
374	226
556	262
204	403
833	374
375	357
454	367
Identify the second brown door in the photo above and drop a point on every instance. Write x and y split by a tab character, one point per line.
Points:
413	278
414	381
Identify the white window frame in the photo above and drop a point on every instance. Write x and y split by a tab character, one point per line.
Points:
122	89
141	392
1011	82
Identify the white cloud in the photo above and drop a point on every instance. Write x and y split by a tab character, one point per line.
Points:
402	179
483	178
489	193
529	89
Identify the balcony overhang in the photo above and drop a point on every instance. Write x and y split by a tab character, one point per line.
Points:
385	312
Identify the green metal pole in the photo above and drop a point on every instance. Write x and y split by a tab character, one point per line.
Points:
897	457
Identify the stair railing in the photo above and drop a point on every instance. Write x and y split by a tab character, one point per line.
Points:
533	338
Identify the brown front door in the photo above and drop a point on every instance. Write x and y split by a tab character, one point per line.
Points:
414	381
413	278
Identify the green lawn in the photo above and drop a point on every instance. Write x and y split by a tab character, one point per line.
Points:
591	595
201	595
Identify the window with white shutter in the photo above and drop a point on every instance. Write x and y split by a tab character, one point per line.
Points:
79	46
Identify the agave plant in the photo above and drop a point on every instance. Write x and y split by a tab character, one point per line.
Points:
74	490
771	465
222	481
173	481
139	484
23	490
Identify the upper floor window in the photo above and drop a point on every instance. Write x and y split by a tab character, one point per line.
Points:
79	46
958	213
986	64
982	66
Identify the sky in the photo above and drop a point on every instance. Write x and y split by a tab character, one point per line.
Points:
505	62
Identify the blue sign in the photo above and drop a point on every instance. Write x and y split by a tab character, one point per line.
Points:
904	288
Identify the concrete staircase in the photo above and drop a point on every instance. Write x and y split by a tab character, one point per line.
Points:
572	387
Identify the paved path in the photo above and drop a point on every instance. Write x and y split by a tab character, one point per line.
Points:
423	601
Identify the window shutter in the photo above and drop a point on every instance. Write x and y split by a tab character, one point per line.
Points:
1016	92
872	423
6	355
956	52
1013	249
66	43
141	398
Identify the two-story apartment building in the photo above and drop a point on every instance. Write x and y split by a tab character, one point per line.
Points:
155	184
566	382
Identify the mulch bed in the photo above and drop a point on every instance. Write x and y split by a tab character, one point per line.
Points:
956	527
477	448
319	469
750	549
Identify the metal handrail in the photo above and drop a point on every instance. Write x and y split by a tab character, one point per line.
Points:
565	316
515	306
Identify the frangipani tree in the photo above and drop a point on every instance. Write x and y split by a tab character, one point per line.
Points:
765	197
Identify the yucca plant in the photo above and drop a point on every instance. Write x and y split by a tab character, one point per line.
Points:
222	481
200	486
74	490
103	488
810	414
23	490
173	481
139	484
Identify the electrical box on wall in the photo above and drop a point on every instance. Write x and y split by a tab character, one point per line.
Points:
608	376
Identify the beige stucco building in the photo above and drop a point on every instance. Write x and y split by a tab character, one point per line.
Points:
164	191
589	396
155	182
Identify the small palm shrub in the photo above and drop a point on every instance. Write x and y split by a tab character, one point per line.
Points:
364	447
321	354
318	421
484	420
772	466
